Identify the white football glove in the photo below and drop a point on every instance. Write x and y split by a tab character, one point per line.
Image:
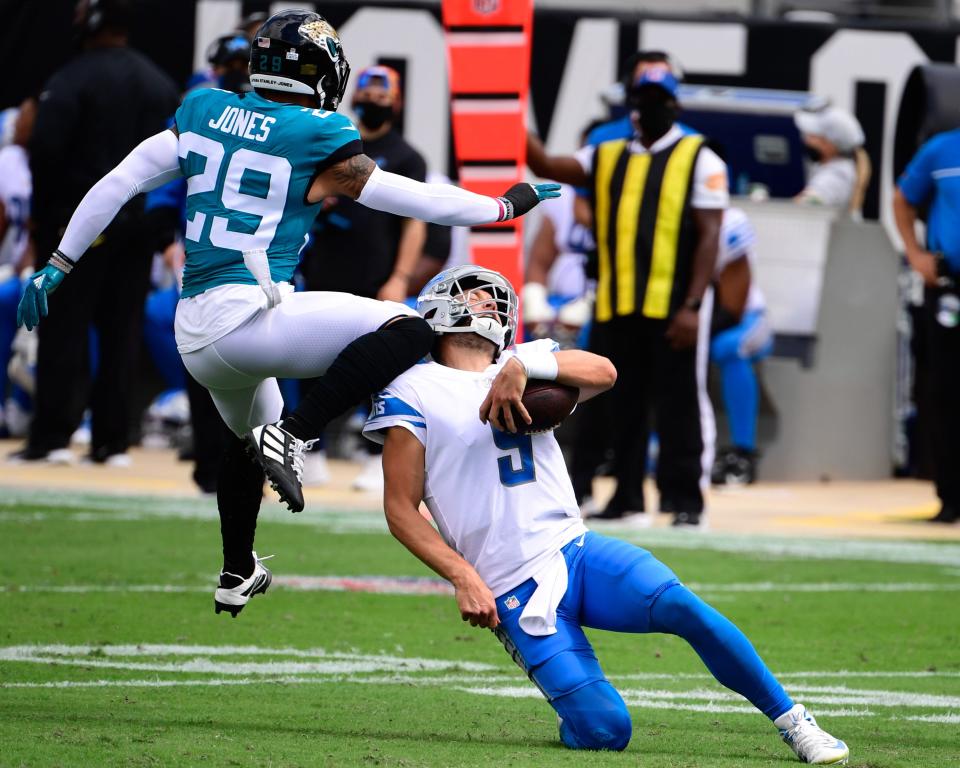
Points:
259	266
536	308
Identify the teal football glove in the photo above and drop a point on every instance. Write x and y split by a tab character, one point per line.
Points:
522	198
547	191
33	305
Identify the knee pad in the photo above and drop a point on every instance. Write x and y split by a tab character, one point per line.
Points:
594	717
414	331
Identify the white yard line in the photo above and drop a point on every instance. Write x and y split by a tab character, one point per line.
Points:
206	665
76	507
393	585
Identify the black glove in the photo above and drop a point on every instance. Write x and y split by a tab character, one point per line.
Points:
522	198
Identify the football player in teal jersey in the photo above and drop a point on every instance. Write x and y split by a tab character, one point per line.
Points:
257	167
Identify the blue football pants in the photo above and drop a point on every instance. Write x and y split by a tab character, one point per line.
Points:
735	350
616	586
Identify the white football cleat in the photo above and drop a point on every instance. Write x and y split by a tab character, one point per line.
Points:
370	478
808	740
316	472
233	592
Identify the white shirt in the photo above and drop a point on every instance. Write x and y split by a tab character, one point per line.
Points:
572	241
709	173
503	501
16	187
738	240
831	183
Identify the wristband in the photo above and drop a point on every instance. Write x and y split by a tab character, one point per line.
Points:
538	363
64	263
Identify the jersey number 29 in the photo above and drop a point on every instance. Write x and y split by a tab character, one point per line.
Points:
243	164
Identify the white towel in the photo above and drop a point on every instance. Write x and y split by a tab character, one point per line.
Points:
539	617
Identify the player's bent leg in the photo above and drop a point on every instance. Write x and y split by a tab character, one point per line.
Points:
594	717
564	667
364	367
730	656
725	650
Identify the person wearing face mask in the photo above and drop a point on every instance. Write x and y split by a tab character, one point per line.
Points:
833	140
358	250
657	200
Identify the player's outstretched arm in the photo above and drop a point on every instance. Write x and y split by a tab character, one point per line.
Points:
360	178
565	168
151	164
403	462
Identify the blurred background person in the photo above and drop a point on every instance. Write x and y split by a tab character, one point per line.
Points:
650	298
362	251
834	142
69	152
740	335
557	294
15	256
931	183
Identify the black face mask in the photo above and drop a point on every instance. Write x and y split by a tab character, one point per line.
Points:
812	154
655	119
371	115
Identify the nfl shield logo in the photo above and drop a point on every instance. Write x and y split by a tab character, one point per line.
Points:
512	602
485	7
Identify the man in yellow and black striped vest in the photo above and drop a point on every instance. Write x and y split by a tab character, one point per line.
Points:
658	201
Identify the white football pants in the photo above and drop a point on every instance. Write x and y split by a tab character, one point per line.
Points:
298	339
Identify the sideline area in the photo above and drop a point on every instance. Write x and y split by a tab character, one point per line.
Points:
891	509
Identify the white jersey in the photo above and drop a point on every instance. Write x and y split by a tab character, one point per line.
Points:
16	186
831	183
572	240
503	501
738	240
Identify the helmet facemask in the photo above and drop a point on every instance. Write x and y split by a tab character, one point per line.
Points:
452	303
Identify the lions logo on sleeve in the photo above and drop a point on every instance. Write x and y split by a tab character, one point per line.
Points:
393	409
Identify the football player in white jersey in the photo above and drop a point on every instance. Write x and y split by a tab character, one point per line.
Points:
511	540
258	165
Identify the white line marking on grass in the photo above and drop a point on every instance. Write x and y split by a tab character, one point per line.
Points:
880	698
827	586
76	507
332	664
416	585
783	676
948	719
672	700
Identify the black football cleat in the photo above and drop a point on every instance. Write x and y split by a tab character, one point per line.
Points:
281	456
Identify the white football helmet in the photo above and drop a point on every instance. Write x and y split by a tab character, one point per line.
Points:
449	305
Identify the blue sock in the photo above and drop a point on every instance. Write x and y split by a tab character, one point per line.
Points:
725	650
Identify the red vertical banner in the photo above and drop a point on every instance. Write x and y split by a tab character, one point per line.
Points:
488	54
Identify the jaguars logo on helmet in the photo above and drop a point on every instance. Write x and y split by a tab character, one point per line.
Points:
299	51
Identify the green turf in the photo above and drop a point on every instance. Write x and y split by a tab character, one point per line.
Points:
345	687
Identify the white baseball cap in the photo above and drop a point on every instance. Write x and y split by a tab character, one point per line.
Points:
835	125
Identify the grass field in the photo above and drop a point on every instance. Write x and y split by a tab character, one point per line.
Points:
110	652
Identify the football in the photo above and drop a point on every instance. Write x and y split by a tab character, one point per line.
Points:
548	404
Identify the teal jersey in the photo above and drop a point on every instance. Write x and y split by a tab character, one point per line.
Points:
249	163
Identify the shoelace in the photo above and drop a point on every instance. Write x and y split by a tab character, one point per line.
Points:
297	448
807	736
